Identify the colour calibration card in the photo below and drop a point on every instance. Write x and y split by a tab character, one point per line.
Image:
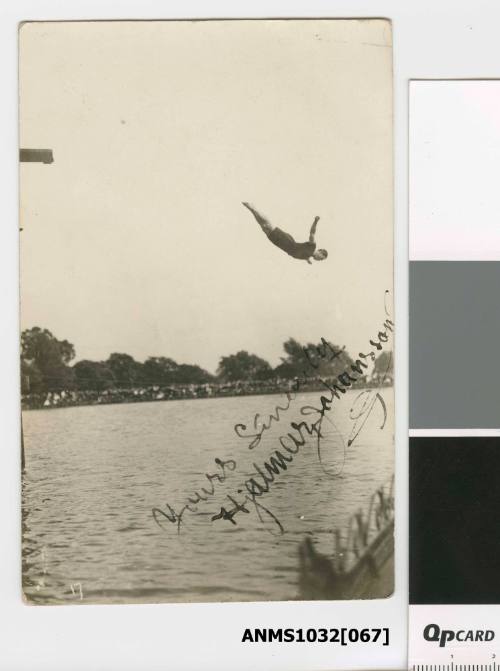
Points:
454	374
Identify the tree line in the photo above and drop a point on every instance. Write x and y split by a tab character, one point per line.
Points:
46	366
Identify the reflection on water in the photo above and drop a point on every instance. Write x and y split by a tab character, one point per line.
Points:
94	474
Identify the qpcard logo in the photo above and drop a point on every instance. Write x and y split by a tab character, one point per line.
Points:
434	633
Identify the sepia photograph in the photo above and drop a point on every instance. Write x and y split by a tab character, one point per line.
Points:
207	324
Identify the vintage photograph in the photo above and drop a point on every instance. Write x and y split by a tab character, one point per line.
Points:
207	326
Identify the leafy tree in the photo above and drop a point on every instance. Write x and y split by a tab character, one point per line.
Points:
243	366
44	361
126	371
383	367
31	378
159	370
192	374
294	363
163	371
323	359
93	375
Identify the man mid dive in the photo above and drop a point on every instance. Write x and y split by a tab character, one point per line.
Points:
299	250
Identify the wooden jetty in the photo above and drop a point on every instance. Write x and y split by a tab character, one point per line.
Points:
361	565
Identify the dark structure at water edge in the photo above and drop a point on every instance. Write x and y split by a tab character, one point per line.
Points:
362	563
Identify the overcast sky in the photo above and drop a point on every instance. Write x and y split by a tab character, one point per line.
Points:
135	239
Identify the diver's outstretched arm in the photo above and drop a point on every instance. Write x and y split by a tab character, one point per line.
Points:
266	226
313	229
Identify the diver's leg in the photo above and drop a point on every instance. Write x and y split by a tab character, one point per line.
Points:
266	226
313	229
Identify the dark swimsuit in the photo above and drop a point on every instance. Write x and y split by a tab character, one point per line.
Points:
299	250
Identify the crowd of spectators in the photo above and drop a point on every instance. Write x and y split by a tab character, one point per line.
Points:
66	398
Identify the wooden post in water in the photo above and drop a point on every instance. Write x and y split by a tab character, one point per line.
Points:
23	462
32	156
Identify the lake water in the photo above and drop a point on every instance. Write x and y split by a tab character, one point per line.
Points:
94	474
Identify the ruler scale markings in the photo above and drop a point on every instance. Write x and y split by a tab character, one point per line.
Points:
491	666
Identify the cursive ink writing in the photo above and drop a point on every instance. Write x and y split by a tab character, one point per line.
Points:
265	474
200	496
362	408
261	426
323	351
279	462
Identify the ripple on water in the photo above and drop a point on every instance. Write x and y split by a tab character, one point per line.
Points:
95	473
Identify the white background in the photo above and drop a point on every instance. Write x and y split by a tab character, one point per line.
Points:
436	39
454	149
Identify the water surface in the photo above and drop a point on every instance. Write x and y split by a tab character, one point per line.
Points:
94	473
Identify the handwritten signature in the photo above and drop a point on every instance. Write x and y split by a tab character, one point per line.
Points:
281	459
200	496
266	473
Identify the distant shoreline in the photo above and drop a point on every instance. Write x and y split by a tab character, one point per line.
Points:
71	398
